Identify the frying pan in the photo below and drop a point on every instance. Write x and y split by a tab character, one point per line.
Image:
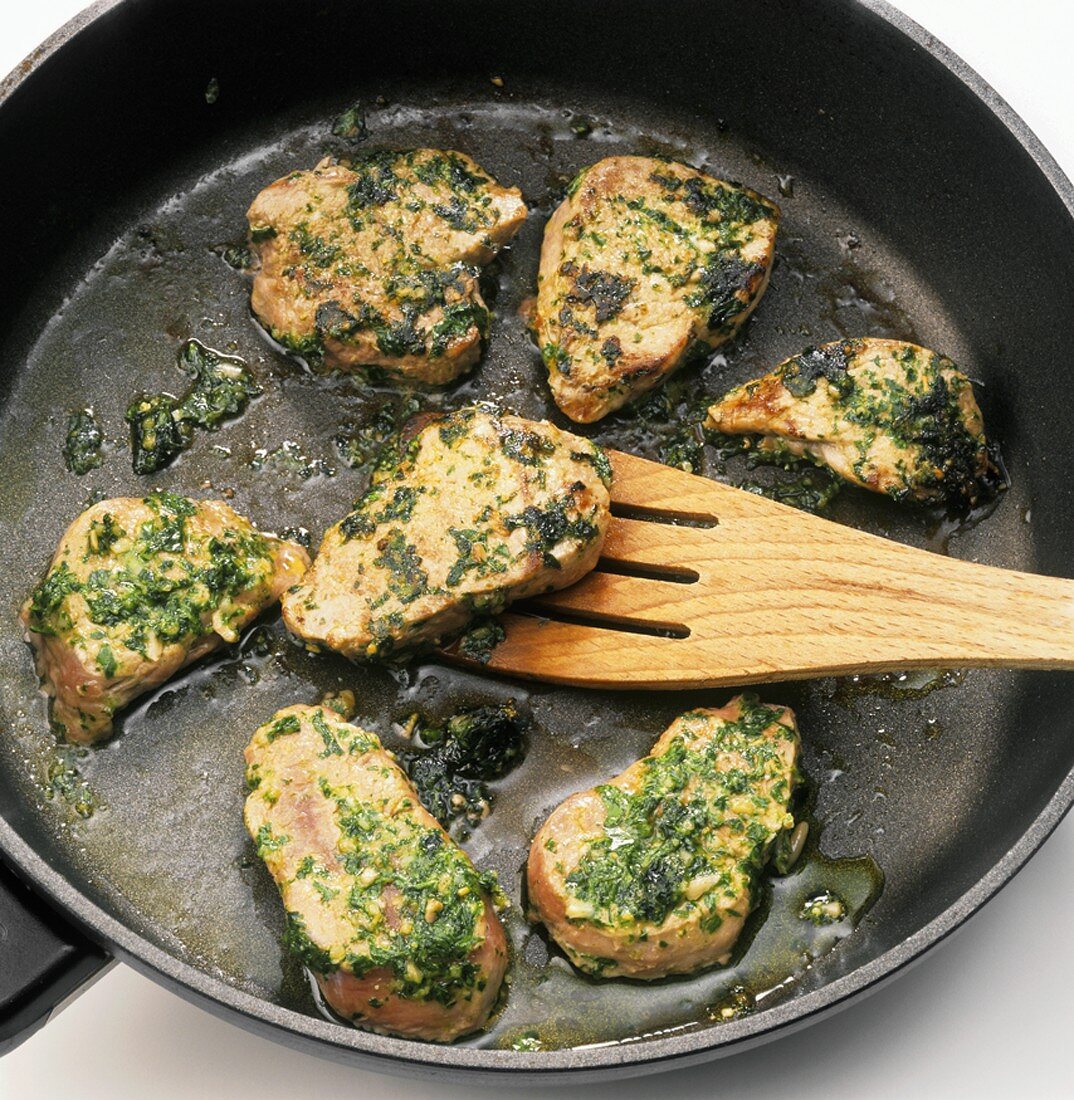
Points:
916	205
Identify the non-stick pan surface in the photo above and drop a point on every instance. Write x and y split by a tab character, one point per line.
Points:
915	206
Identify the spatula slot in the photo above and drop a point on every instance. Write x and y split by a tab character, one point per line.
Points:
672	518
676	574
575	617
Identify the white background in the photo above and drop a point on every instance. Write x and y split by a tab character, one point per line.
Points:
987	1015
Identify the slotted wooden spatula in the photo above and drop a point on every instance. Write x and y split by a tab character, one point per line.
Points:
703	585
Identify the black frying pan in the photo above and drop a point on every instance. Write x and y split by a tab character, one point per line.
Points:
920	207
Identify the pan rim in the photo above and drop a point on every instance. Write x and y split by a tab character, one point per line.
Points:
388	1054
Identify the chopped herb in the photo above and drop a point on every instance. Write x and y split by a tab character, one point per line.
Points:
82	447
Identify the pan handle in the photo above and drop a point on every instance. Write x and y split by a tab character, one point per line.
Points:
44	962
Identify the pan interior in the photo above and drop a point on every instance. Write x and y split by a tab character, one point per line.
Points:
924	778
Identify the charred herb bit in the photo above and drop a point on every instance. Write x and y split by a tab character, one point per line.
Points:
459	318
82	447
222	386
448	168
309	348
811	491
455	426
452	763
525	447
735	206
357	523
722	280
556	357
401	506
157	432
458	214
475	556
376	185
832	361
319	253
604	290
547	527
162	426
479	641
402	337
351	124
236	255
611	350
302	535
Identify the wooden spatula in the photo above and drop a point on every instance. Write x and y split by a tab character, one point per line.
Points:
703	585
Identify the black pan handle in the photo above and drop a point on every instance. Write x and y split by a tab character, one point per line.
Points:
44	962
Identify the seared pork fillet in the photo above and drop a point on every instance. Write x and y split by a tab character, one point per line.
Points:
467	511
645	263
375	263
139	588
388	912
886	415
655	872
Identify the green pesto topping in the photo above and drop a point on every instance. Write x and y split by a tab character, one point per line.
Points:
451	542
528	1041
82	447
598	459
297	941
605	291
659	852
429	958
722	280
162	425
282	727
161	583
406	578
636	240
64	780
